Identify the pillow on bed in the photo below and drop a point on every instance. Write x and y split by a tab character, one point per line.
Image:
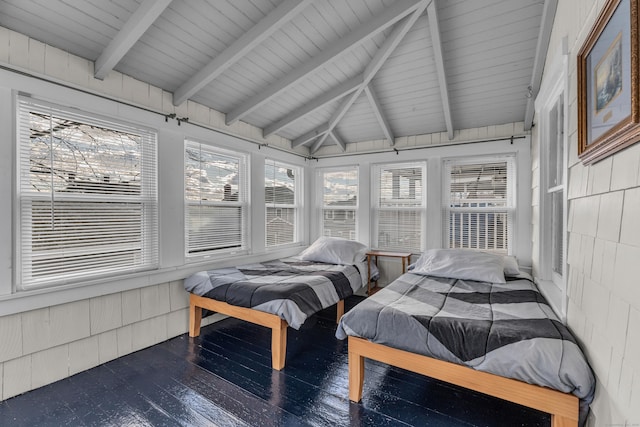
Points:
511	267
510	263
461	264
334	250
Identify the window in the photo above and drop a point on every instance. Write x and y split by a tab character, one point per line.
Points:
281	187
553	192
87	196
339	202
399	206
216	200
479	204
551	107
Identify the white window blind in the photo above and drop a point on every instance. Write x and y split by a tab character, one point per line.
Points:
282	184
216	200
479	204
555	186
339	202
87	194
400	206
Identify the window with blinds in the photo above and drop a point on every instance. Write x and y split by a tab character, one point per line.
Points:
216	200
554	194
282	184
400	206
87	195
479	204
339	202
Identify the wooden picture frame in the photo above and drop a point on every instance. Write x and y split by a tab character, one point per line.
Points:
608	83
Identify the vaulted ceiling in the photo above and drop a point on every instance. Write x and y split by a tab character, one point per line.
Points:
315	71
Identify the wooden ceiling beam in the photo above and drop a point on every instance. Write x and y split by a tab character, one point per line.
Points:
319	142
434	29
377	110
310	136
334	94
129	34
339	142
239	48
389	45
389	16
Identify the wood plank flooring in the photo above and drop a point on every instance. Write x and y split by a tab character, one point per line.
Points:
224	378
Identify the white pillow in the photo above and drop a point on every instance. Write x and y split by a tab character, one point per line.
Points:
461	264
334	250
511	267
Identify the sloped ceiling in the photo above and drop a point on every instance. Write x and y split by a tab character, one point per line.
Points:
315	71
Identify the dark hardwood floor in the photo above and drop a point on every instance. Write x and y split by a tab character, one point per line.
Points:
224	378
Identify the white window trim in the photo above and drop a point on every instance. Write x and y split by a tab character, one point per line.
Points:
170	193
512	196
245	203
298	205
148	198
322	209
554	86
376	169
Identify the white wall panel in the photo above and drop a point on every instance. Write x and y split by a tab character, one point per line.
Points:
603	268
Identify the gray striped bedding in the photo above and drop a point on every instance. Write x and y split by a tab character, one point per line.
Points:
289	288
504	329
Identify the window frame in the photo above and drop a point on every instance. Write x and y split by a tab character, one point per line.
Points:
421	208
327	212
553	92
243	203
147	198
297	205
511	203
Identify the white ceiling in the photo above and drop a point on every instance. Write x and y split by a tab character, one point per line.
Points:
315	71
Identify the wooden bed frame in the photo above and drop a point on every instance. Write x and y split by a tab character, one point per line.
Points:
563	407
277	325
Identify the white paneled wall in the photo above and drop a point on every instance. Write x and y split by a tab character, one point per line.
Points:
45	345
603	246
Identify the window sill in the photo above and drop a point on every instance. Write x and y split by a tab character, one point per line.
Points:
554	296
21	301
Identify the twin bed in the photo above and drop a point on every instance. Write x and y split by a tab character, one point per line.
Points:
454	317
281	293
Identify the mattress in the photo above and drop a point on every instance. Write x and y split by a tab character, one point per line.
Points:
290	288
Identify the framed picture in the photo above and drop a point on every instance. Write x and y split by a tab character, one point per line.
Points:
608	85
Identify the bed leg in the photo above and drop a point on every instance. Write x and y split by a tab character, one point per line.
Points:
559	421
356	376
195	318
279	345
340	310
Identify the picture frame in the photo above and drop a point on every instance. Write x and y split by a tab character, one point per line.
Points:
608	83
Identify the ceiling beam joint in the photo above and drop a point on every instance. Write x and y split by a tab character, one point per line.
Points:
334	94
377	110
389	16
389	45
310	136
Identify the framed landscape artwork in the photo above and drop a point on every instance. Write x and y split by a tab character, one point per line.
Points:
608	85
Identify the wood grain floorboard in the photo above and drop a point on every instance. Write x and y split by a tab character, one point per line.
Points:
224	378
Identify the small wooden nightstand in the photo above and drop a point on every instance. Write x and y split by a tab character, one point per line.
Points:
405	256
